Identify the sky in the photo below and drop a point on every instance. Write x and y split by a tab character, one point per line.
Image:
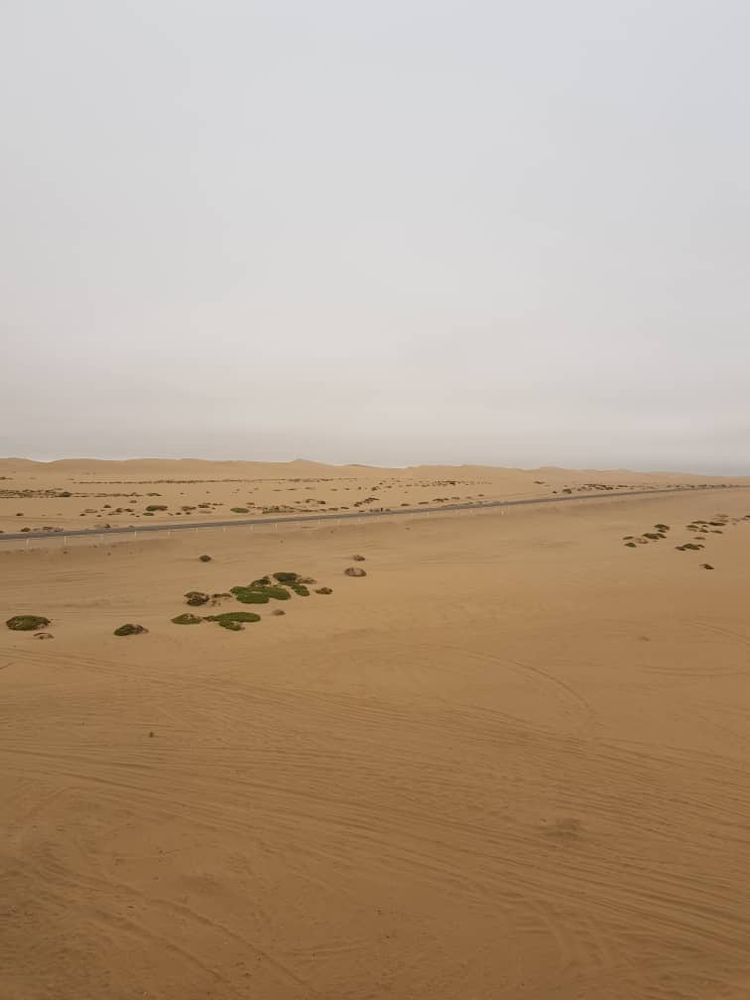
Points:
393	232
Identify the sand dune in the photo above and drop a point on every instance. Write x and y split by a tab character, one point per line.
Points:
509	762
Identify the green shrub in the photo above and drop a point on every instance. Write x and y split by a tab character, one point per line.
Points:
155	506
271	591
27	623
233	616
187	619
246	596
300	590
277	593
662	527
205	558
264	581
324	590
130	629
652	535
286	577
630	545
239	510
196	597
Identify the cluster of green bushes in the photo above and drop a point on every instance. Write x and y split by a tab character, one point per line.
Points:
276	587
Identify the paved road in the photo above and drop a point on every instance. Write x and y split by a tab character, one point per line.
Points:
352	515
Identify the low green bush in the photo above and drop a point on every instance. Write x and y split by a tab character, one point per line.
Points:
246	596
27	623
130	629
233	616
196	597
239	510
187	619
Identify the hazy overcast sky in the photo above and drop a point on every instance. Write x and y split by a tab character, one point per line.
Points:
386	232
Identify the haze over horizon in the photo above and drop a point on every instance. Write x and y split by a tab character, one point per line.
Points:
410	233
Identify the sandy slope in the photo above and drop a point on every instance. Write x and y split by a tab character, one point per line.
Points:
510	762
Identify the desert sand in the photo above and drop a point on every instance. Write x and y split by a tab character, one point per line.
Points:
510	761
93	494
